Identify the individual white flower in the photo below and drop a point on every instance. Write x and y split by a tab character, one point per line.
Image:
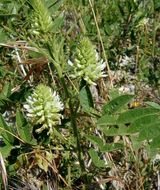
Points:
43	107
87	63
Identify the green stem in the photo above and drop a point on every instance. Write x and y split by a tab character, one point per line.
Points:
74	126
72	111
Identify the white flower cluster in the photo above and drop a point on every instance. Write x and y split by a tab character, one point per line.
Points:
87	63
41	19
43	107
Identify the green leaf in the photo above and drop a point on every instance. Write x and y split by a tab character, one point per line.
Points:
24	129
144	123
117	103
114	93
91	111
155	143
85	97
148	127
25	133
111	147
6	150
154	105
7	136
148	132
95	159
135	142
20	120
95	140
133	114
114	131
107	120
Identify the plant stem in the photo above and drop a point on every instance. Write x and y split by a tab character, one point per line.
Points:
73	111
74	126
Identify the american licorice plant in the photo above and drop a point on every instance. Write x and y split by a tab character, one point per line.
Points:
79	95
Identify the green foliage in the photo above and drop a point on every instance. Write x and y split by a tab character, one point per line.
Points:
142	122
24	130
6	131
116	104
95	159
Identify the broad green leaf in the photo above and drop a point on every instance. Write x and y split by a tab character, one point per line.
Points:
117	103
152	152
85	98
111	147
20	120
114	131
95	140
25	133
110	131
123	130
7	136
24	129
91	111
95	159
133	114
148	132
144	122
6	150
155	143
114	93
149	127
154	105
136	144
107	120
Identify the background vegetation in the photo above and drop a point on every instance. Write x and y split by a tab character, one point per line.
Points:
79	94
